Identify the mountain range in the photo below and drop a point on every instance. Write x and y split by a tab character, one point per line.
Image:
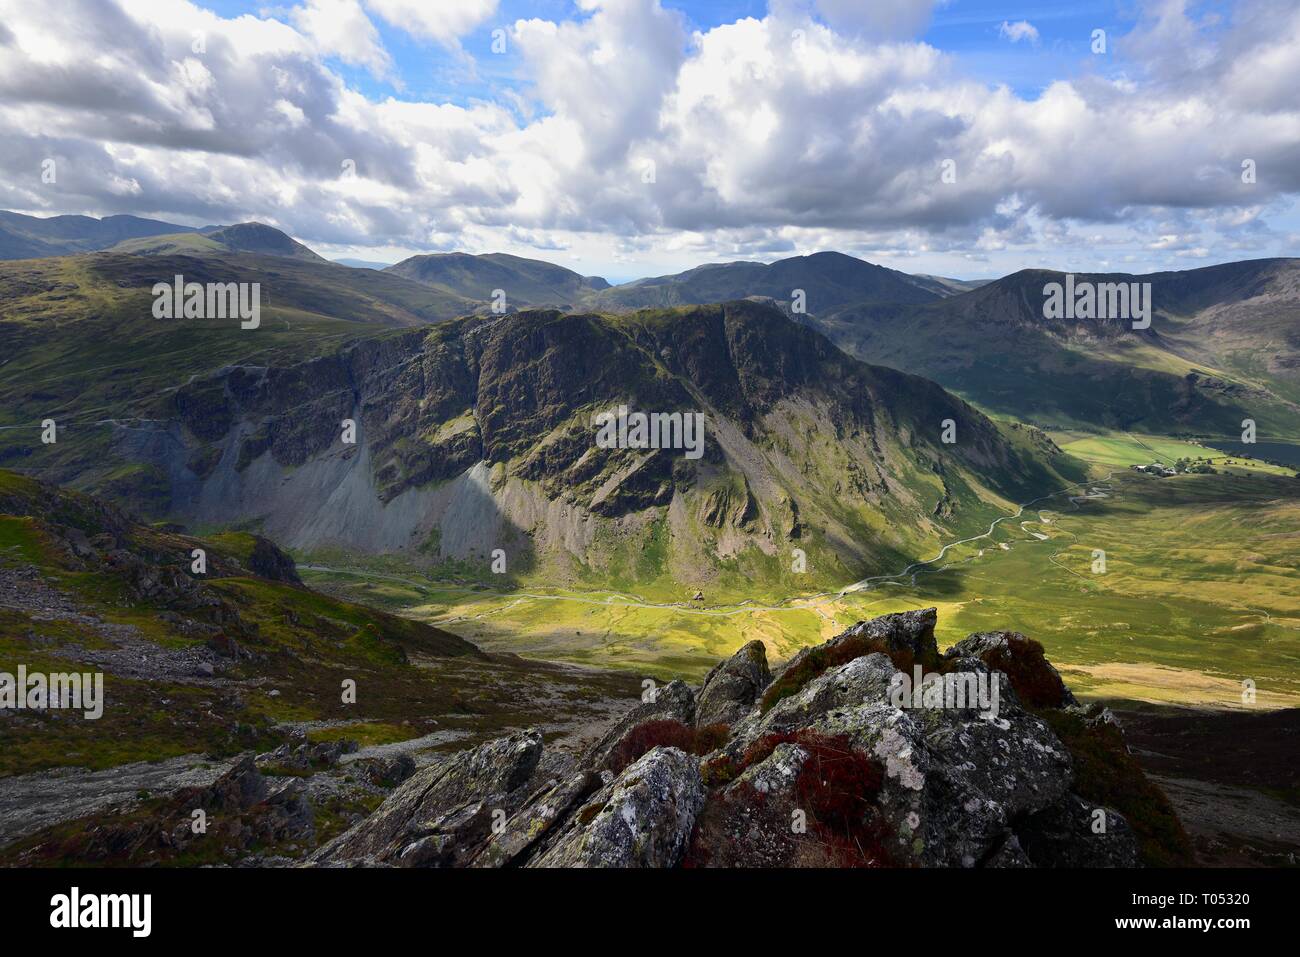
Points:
33	237
1223	346
476	433
474	426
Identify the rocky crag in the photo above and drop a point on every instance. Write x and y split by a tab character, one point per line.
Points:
477	434
811	765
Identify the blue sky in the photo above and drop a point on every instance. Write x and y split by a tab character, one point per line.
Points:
636	137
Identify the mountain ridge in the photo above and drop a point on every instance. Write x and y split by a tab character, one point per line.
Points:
528	282
476	434
1223	345
33	237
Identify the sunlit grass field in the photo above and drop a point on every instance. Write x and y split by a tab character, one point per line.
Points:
1126	448
1199	591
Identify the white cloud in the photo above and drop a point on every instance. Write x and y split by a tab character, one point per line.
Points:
1020	30
341	28
893	20
444	21
766	135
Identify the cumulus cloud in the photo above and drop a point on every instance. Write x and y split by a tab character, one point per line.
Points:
444	21
1020	30
799	130
341	28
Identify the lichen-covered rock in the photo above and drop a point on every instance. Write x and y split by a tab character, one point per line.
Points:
1009	855
733	686
991	773
838	769
1035	681
954	781
912	631
865	679
750	822
810	802
673	702
526	828
443	814
907	632
643	818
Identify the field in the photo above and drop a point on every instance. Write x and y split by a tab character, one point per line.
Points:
1198	592
1130	449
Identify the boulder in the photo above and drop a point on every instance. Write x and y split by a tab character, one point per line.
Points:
954	780
673	702
836	770
386	772
865	679
534	821
907	633
443	813
911	631
731	689
643	818
1035	681
751	821
809	803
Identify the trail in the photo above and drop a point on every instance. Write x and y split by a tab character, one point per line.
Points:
867	582
803	603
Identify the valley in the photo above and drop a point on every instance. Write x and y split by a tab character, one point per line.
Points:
823	481
1199	591
478	563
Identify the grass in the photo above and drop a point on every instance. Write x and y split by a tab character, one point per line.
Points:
1108	775
365	733
1124	449
20	539
301	646
1199	594
142	721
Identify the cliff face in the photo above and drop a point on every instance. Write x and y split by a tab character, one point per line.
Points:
481	433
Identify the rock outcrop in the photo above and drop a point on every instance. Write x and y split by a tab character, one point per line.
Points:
673	702
444	813
731	688
643	818
840	761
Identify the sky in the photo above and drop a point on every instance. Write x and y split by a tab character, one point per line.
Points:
626	138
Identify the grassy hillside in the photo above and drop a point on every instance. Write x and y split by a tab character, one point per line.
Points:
88	589
200	669
1221	348
81	345
255	238
34	237
525	282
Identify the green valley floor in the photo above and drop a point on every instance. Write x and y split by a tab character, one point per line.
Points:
1179	590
